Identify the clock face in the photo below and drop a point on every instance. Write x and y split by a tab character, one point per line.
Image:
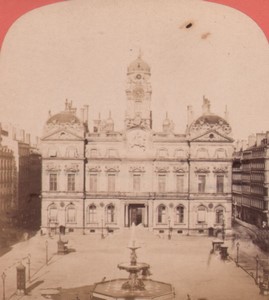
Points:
138	92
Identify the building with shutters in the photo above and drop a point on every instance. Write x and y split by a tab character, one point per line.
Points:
106	179
250	180
20	177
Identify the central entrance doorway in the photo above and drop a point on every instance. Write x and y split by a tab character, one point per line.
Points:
136	214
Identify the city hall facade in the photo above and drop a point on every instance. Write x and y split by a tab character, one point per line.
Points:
102	179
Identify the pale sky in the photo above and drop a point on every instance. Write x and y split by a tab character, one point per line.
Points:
80	50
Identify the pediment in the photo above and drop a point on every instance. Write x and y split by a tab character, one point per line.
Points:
212	136
63	135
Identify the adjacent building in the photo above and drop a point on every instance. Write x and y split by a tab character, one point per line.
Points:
251	180
104	179
20	179
7	177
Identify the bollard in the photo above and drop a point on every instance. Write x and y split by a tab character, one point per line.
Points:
4	287
237	254
29	266
47	256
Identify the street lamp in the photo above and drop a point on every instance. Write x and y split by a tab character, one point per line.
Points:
237	253
102	229
169	232
47	256
29	266
4	288
223	230
257	268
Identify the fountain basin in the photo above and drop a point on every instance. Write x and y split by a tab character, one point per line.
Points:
112	289
131	268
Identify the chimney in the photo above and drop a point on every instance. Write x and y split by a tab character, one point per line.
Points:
28	139
86	113
189	114
251	140
22	135
260	137
82	114
267	137
206	106
14	133
244	144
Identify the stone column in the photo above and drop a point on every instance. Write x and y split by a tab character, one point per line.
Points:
146	215
126	215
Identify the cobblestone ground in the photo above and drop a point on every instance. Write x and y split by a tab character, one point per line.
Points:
183	261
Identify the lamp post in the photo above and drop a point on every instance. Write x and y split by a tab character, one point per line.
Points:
102	229
257	268
4	288
223	230
47	256
169	232
237	253
29	266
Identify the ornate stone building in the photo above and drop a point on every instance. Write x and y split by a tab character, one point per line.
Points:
106	179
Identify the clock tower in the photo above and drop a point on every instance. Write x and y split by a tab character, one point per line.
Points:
138	92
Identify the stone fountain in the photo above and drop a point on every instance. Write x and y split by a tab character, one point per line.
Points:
137	286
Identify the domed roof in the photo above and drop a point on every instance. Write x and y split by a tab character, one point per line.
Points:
210	119
138	65
68	116
64	118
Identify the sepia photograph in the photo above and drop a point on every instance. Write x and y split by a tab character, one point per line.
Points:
133	149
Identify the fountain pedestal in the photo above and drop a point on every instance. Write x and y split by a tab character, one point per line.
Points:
136	287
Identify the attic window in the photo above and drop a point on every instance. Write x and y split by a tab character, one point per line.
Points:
211	136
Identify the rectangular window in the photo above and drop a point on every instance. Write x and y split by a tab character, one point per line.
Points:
53	182
201	216
179	183
70	182
161	183
201	183
136	182
220	183
111	179
93	182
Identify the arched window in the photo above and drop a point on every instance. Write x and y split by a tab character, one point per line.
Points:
52	152
219	215
220	153
180	214
52	213
201	214
179	153
71	214
93	153
71	152
110	213
202	153
163	152
92	214
161	211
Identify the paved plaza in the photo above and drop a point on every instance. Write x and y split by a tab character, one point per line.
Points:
183	261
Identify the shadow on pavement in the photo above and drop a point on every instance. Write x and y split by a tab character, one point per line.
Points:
33	286
80	293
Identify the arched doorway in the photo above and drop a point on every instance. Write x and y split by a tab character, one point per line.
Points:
137	214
